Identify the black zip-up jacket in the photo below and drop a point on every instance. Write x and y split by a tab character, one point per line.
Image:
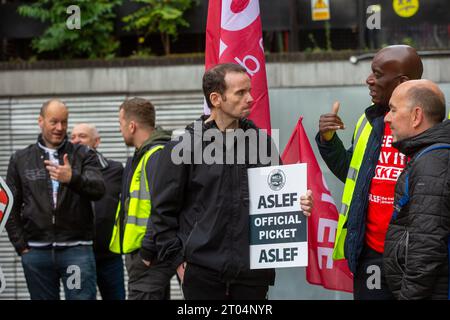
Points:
415	251
201	211
33	217
105	208
338	161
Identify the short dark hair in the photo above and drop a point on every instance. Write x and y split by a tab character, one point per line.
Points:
214	79
139	110
47	103
432	103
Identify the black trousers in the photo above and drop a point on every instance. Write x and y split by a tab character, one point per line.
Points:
205	284
369	282
148	283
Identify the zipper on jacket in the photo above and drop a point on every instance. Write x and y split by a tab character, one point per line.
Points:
406	248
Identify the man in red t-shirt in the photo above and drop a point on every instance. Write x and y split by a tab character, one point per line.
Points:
371	205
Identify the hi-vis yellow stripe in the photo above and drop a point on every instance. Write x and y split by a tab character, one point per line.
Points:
360	140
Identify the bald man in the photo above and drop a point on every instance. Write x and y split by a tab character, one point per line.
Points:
51	223
369	169
110	275
415	255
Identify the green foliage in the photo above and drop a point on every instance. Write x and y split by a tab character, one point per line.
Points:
316	47
142	53
328	36
409	41
159	16
93	40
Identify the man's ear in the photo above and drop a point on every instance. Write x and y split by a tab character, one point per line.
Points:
418	116
41	121
132	126
97	142
404	79
215	99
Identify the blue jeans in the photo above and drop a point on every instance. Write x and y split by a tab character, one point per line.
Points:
74	266
110	278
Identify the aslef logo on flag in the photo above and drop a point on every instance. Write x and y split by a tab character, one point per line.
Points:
6	202
234	35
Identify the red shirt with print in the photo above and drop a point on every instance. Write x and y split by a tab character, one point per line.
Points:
381	193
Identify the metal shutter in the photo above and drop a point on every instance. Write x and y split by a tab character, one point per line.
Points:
19	128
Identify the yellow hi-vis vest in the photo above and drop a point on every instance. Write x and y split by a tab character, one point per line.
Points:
137	213
360	140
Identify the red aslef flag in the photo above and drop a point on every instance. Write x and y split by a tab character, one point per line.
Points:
322	223
234	34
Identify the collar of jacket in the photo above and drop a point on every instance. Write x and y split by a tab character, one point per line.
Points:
159	135
375	115
101	160
244	124
439	133
41	141
375	111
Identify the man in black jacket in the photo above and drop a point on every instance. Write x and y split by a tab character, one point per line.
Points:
415	256
369	169
109	265
51	224
201	205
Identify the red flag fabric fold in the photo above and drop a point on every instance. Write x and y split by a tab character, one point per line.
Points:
322	223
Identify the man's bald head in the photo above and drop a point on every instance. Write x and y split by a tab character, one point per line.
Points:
415	106
390	67
426	95
86	134
405	58
53	103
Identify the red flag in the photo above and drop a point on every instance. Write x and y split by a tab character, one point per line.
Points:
234	34
322	223
6	201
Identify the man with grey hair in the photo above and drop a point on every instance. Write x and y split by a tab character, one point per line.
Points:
416	246
109	265
51	224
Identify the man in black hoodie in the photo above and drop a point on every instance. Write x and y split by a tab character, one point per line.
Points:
149	279
416	253
201	203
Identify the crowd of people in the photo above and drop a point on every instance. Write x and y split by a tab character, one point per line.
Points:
76	213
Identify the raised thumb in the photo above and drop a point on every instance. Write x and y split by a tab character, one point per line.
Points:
335	109
66	159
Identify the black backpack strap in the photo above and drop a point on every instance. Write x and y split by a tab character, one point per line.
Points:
403	201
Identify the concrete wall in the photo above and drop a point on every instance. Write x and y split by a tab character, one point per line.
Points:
188	77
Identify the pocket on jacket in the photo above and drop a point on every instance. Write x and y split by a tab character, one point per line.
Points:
401	252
